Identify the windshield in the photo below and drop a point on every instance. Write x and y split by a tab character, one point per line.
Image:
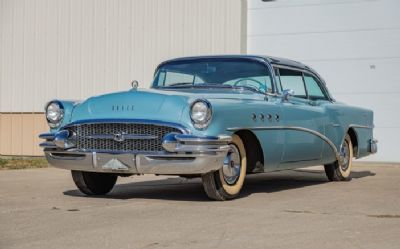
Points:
223	73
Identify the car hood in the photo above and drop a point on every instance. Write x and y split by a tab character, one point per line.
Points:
151	104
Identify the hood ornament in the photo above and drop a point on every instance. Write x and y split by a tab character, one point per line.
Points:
134	85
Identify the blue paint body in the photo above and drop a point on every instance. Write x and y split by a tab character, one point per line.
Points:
233	108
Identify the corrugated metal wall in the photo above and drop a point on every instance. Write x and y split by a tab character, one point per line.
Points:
77	48
354	45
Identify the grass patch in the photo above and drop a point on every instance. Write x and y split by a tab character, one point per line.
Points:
22	163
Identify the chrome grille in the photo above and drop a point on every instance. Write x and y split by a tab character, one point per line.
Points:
87	140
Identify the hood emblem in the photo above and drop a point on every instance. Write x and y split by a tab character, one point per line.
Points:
122	108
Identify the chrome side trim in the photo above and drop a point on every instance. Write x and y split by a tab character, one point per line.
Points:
296	128
360	126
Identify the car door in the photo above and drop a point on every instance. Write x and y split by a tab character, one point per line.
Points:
300	114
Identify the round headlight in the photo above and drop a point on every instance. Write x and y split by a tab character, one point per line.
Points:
54	113
201	113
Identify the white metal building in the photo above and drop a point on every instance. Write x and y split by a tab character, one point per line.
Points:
74	49
353	44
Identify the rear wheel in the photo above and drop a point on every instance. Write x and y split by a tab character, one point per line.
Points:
93	183
341	171
227	182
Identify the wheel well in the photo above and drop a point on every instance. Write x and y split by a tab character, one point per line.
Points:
254	152
353	136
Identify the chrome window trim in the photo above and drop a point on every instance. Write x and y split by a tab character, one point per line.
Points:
261	60
320	82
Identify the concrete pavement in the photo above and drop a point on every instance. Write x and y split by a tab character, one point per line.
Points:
41	208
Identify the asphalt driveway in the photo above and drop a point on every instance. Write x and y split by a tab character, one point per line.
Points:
41	208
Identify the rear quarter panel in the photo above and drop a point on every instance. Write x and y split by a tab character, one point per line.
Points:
342	118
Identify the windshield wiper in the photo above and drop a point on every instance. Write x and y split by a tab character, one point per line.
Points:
180	84
210	85
247	88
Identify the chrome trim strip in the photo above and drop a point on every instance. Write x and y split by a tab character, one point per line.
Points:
94	159
48	145
190	143
309	71
201	148
114	152
124	136
182	128
296	128
262	60
47	136
360	126
198	139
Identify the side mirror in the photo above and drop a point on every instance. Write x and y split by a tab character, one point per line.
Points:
134	84
286	94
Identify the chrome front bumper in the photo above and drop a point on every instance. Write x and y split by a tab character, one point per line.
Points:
185	154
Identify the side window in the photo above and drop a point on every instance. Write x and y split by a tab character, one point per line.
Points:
313	88
291	79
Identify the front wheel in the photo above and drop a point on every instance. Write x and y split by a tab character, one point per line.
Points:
93	183
227	182
341	171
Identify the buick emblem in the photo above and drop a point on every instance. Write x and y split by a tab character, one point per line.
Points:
119	137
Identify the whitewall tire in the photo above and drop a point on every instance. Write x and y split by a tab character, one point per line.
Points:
227	182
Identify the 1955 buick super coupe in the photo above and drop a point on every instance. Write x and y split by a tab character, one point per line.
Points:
215	117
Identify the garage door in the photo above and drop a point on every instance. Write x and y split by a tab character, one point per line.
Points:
353	44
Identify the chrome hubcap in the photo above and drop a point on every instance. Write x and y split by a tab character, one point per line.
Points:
345	154
231	167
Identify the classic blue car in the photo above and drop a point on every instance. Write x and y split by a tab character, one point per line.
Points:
215	117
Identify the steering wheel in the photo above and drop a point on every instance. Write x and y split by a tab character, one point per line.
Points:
261	86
